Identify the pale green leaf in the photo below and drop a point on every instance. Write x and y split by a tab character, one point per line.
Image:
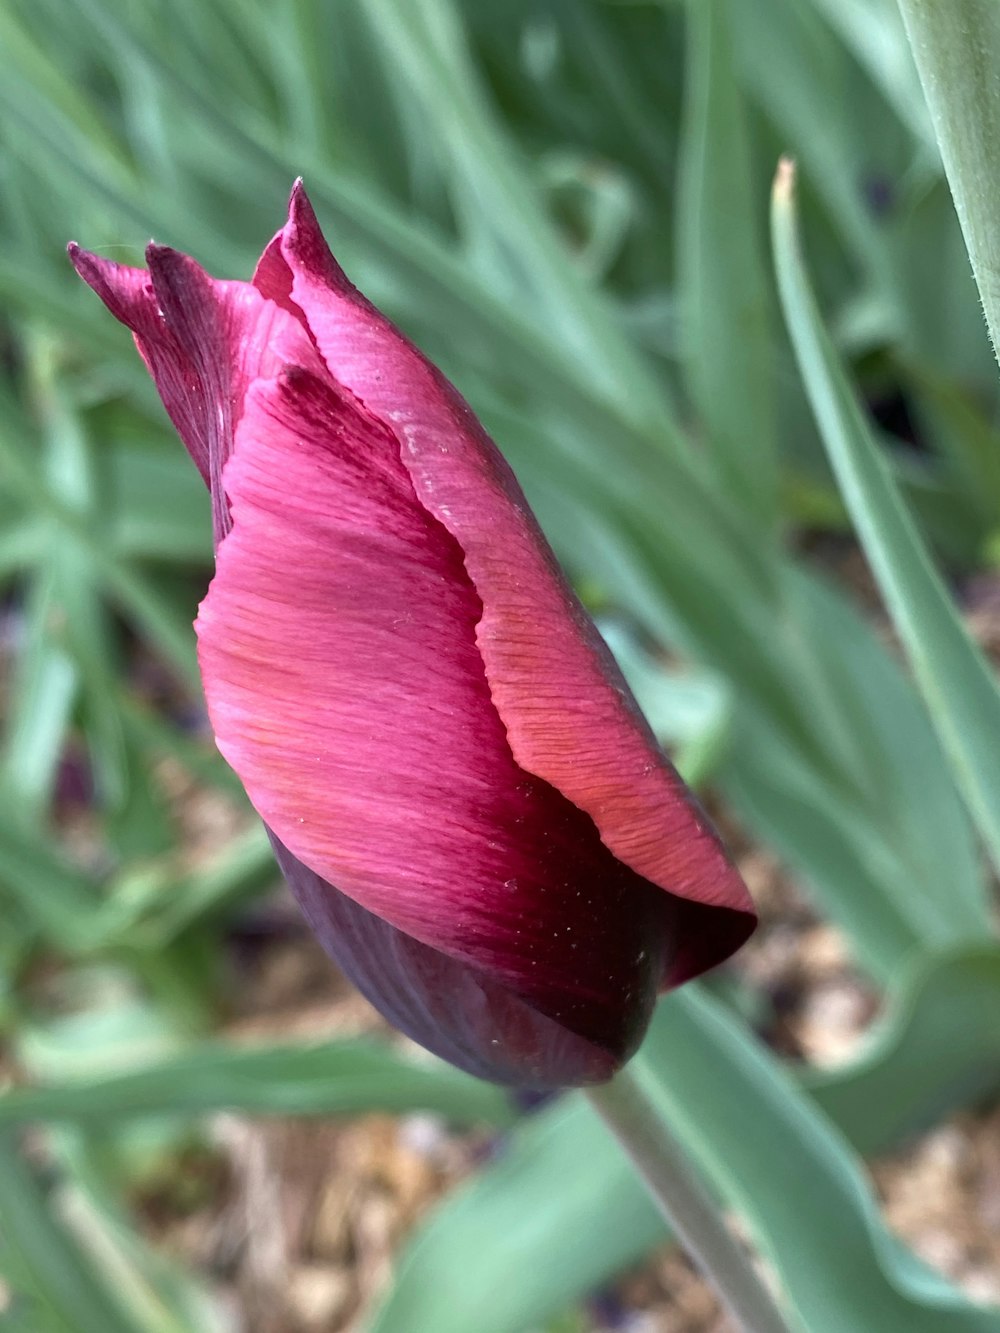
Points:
957	683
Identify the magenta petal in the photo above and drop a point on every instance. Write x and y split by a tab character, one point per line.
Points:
413	697
203	341
128	294
337	647
569	717
459	1014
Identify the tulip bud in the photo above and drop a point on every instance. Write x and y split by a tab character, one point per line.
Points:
462	794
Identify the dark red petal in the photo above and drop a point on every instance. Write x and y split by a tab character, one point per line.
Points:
337	647
272	277
569	717
460	1014
203	341
128	294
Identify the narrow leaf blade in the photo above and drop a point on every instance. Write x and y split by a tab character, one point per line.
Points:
956	682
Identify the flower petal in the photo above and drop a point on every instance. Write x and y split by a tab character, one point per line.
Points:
203	341
338	652
462	1015
568	714
128	294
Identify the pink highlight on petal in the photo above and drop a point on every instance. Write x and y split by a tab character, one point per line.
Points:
569	717
344	685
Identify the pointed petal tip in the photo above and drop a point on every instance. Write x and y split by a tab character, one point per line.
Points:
122	289
160	255
302	221
176	278
298	199
304	245
79	258
84	262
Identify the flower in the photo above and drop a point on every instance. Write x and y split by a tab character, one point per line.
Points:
462	794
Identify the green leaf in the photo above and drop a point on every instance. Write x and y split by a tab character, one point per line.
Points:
961	431
957	50
425	41
689	711
161	508
160	1297
792	1177
65	904
825	109
44	1263
558	1213
957	683
594	1217
166	906
333	1078
41	701
873	31
896	862
726	308
937	1047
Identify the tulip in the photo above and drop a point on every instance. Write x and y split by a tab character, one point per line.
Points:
461	792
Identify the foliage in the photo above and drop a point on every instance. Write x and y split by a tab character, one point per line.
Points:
565	204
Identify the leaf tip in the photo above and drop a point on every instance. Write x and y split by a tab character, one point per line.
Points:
784	180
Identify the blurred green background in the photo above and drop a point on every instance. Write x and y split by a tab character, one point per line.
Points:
564	202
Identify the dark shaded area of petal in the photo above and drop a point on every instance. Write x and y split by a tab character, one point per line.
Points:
453	1010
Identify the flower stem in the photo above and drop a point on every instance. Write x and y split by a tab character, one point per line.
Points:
632	1116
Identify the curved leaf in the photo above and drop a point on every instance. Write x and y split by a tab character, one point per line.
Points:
792	1177
957	50
468	1268
334	1078
957	683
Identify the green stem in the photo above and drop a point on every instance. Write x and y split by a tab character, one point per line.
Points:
630	1114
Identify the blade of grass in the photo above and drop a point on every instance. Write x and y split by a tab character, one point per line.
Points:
334	1078
957	683
724	294
41	699
44	1261
872	30
957	50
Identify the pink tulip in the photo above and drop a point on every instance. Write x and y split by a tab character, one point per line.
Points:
418	706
